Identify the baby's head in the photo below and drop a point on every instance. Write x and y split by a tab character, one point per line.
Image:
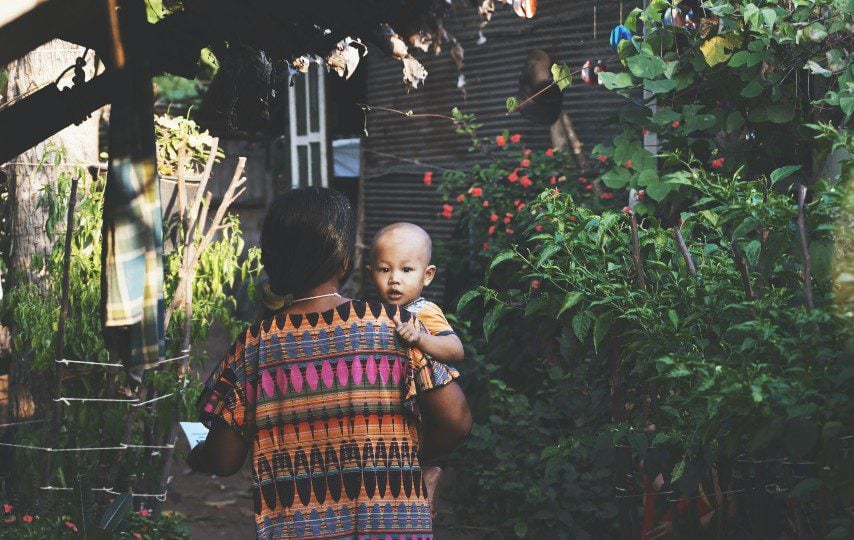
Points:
400	262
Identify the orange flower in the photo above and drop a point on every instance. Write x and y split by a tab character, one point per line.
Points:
552	180
514	176
486	203
525	182
428	178
525	163
538	228
718	163
461	197
515	138
27	518
476	192
500	140
7	508
550	152
493	218
629	164
603	159
491	230
527	152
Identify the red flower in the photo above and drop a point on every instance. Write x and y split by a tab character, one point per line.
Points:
71	526
9	520
514	176
538	228
641	195
137	536
550	152
491	230
535	284
675	124
525	182
629	164
428	178
515	138
588	187
447	210
143	512
493	218
582	179
525	163
644	132
627	209
461	198
486	203
521	206
516	203
7	508
552	180
509	231
603	159
486	245
476	192
500	140
718	163
527	151
573	218
606	195
507	221
27	518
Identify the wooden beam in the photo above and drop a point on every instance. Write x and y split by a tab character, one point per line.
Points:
26	24
48	111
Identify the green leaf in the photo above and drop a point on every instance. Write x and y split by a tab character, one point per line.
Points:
581	325
616	178
661	86
753	89
548	251
616	81
562	75
648	177
780	113
490	320
678	471
658	191
805	487
815	32
600	329
821	257
501	257
665	116
466	298
572	298
784	172
511	104
646	66
734	122
674	318
115	513
801	436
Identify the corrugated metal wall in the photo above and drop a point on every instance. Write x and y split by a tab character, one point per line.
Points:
393	183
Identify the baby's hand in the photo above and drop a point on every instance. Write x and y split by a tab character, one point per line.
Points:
407	331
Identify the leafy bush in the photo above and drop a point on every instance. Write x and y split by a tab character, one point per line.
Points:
705	332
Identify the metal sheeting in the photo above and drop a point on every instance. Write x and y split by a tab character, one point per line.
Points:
399	149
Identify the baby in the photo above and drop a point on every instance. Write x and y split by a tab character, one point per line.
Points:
400	269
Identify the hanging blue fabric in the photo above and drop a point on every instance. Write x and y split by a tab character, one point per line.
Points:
618	34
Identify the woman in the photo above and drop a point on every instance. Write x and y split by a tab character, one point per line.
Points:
316	391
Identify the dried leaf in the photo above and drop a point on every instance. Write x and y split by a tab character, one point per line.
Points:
421	40
345	58
458	54
525	8
413	73
486	9
398	47
302	63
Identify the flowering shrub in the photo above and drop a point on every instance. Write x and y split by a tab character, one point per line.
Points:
701	334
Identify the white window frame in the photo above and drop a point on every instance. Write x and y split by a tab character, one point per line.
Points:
310	136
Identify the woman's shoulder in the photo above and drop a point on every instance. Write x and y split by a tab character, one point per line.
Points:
358	312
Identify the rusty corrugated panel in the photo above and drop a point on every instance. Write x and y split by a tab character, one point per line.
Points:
393	187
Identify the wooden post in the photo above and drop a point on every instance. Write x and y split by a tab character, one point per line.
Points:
51	434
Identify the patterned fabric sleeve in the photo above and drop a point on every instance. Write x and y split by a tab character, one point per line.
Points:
423	375
224	395
434	320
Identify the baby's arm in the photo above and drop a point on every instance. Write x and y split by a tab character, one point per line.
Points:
447	348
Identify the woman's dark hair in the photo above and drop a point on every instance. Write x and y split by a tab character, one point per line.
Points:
309	234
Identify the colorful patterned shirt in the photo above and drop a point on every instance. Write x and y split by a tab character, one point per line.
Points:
320	398
431	316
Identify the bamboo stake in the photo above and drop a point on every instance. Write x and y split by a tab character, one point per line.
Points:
802	236
53	431
689	262
741	262
636	252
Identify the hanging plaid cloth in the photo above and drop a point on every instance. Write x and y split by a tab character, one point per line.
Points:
132	255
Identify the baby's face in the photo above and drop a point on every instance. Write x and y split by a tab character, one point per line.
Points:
400	268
